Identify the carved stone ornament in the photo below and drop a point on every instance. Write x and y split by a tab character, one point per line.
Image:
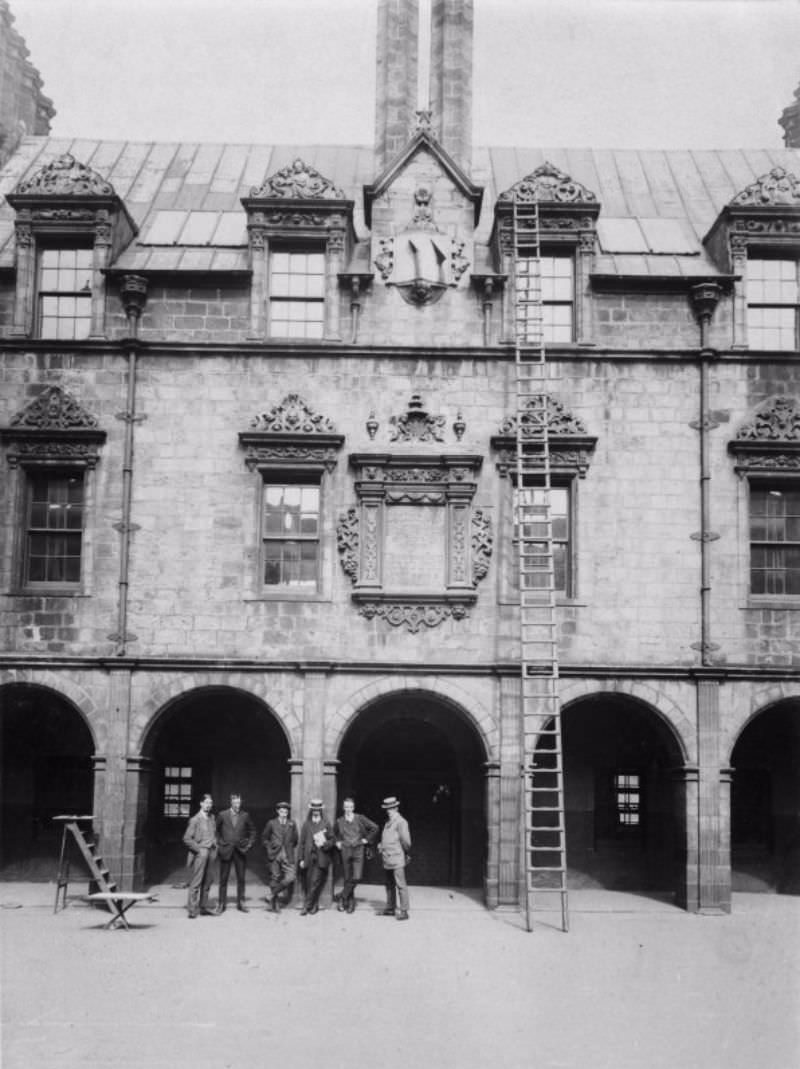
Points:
570	446
298	181
770	442
291	435
548	184
384	261
423	122
482	545
347	543
778	187
66	177
412	616
53	427
416	425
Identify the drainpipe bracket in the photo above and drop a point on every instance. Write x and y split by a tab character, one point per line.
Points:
123	527
128	417
704	536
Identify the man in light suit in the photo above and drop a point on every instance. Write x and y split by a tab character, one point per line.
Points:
394	848
200	840
235	835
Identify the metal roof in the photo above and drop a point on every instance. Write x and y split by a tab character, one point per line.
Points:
185	198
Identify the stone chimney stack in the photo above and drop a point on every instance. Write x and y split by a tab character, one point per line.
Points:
451	77
396	89
790	121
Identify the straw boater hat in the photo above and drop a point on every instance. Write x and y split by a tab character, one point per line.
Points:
315	805
390	803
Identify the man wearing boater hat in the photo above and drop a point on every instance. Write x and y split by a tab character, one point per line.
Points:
280	841
316	844
394	849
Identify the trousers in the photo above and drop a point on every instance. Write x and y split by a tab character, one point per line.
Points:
396	888
200	880
239	862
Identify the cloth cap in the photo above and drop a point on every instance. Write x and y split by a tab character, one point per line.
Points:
390	803
282	805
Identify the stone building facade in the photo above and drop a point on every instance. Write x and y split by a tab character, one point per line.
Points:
257	425
24	109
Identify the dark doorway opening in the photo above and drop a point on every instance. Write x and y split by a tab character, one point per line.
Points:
219	740
46	752
429	756
619	796
765	803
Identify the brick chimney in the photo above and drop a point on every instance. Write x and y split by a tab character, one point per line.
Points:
396	88
790	121
451	77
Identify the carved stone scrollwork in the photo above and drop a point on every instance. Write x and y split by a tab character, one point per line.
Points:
482	545
776	188
569	444
770	442
411	616
66	177
547	183
53	427
384	261
416	425
347	543
298	181
291	435
559	420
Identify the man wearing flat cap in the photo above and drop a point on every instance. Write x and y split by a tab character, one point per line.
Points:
280	842
394	849
316	844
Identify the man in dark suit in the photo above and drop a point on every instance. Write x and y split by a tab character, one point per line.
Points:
354	833
235	835
280	840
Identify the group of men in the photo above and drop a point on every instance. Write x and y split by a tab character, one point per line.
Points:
307	851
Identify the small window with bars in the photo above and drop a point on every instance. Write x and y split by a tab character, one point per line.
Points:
290	535
65	293
54	533
296	294
775	540
773	298
628	799
546	296
177	791
536	552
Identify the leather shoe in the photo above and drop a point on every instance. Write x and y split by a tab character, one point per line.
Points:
351	906
208	912
402	915
387	913
243	908
314	909
192	916
340	906
220	909
303	912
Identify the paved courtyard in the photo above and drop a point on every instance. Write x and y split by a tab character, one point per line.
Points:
636	984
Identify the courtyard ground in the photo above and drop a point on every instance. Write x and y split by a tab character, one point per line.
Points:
636	984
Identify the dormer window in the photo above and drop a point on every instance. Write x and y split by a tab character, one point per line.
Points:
297	294
65	293
773	298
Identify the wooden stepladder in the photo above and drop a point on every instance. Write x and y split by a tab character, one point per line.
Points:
94	862
543	845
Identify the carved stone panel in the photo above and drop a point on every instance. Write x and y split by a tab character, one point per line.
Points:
291	435
569	445
53	428
770	442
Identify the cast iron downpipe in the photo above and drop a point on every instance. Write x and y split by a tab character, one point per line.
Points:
704	299
133	294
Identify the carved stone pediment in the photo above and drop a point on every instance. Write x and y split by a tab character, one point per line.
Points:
770	442
569	444
297	181
777	188
291	435
53	428
65	177
550	186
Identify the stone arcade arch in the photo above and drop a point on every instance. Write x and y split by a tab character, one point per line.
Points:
427	751
765	801
625	815
218	739
46	756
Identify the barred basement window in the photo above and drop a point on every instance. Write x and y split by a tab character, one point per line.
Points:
177	791
556	282
290	534
65	293
627	799
296	294
54	533
773	298
774	540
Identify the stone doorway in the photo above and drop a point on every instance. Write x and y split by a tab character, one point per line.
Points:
426	753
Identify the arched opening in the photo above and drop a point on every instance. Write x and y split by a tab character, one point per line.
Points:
46	751
765	802
426	753
216	739
619	795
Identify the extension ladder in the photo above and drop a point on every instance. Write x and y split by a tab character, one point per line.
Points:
544	856
94	862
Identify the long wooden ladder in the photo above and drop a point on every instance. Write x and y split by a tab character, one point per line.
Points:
88	848
543	846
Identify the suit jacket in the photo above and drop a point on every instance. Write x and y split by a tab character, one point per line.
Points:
197	835
309	852
234	833
366	830
277	838
395	843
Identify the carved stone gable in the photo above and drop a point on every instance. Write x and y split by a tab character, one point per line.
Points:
66	177
291	435
570	445
53	427
777	188
770	442
298	181
549	185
